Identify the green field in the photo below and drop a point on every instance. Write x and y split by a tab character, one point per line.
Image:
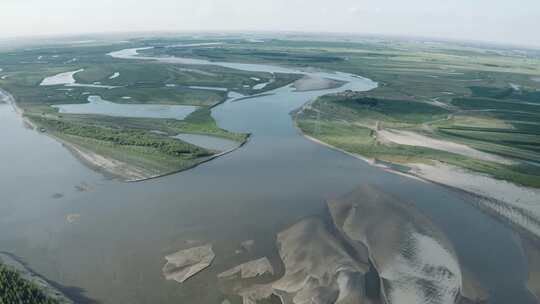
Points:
145	144
484	97
15	289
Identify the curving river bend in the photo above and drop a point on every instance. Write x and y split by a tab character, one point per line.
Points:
107	239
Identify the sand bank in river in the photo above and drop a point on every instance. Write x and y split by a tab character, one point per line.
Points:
184	264
517	204
250	269
414	139
108	165
311	83
330	259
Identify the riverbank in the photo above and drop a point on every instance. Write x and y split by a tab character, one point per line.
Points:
103	162
28	275
125	172
490	191
125	230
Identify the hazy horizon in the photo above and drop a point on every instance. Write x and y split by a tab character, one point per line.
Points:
481	20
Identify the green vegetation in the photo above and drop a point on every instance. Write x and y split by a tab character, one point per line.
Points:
145	144
351	121
15	289
483	97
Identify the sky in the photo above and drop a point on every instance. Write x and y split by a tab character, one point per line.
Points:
503	21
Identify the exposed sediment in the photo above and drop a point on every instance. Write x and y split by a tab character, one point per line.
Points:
250	269
313	83
184	264
369	248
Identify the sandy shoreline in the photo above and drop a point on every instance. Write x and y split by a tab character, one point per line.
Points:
410	138
123	171
491	192
108	166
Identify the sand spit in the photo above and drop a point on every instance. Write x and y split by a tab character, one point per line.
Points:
330	259
414	139
250	269
60	79
313	83
27	274
107	165
184	264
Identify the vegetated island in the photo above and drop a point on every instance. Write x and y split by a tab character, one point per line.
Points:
132	139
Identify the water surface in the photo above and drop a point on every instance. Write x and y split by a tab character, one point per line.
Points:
208	142
115	251
97	105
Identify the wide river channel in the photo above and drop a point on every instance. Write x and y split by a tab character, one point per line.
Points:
105	240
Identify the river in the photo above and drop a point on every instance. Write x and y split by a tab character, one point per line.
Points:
105	240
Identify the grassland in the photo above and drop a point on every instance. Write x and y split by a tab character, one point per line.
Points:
15	289
484	98
144	145
354	124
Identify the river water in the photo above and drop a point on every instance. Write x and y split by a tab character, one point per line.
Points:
113	249
98	106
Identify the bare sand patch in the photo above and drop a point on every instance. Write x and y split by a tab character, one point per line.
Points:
184	264
518	204
312	83
411	255
250	269
330	258
72	218
112	166
60	79
414	139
